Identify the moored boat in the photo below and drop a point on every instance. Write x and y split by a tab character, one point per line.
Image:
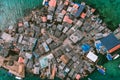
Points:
18	78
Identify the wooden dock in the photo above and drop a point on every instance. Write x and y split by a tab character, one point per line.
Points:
14	69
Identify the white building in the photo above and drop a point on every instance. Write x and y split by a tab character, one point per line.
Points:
7	37
45	46
92	56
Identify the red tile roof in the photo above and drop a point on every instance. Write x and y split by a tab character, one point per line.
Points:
78	77
20	24
67	19
20	60
66	2
114	49
75	6
63	12
44	19
92	10
83	15
52	3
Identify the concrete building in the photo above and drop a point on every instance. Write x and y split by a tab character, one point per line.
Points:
92	56
76	36
45	47
64	59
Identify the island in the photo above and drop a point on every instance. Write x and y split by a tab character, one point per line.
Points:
63	39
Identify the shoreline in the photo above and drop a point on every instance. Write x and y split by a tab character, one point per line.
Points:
37	39
110	24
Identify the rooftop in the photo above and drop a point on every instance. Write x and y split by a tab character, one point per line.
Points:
52	3
59	36
110	42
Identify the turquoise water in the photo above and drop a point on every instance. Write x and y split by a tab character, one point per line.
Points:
108	9
11	10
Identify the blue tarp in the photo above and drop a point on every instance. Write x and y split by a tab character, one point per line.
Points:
110	41
80	9
46	4
109	57
85	47
98	45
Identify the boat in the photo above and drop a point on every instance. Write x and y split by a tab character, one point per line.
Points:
101	69
18	78
115	56
43	3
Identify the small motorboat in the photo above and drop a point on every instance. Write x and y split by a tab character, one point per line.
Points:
18	78
101	69
116	56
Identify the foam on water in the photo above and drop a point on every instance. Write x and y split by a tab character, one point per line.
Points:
11	10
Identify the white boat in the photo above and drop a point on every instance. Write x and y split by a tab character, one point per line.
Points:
116	56
18	78
119	66
43	2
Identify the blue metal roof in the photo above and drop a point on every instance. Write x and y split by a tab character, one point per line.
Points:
110	41
81	8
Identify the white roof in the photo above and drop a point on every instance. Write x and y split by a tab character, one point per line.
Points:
49	17
79	23
49	40
36	70
65	29
74	38
20	38
50	56
69	9
45	46
10	27
32	40
26	24
28	55
6	37
92	56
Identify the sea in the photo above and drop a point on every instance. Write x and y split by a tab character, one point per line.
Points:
109	10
